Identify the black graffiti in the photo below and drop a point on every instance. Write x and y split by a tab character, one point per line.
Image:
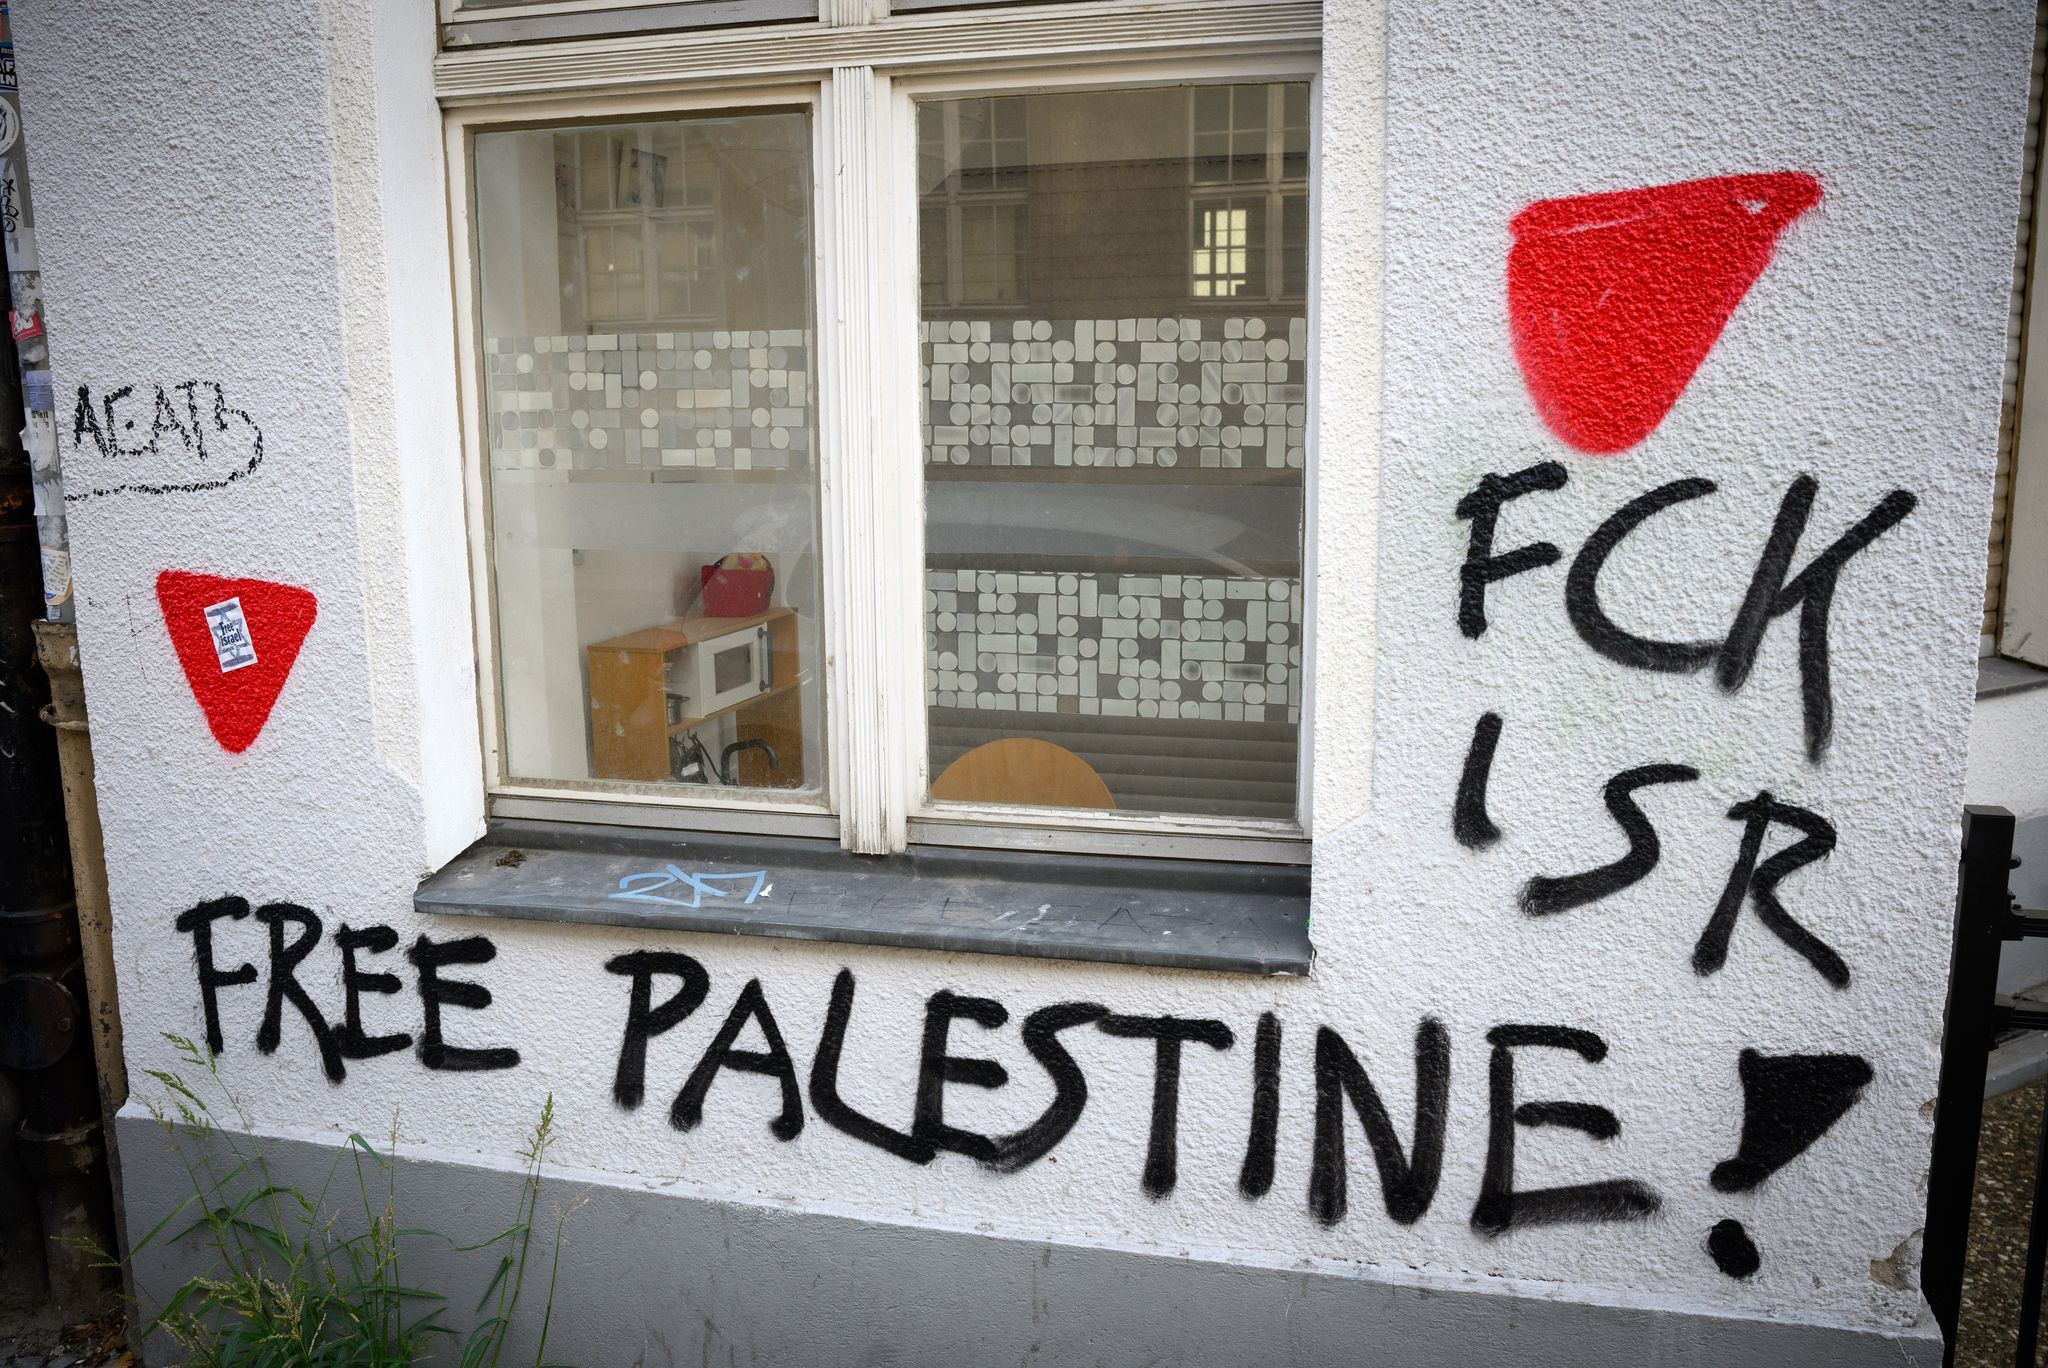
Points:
1748	879
1582	587
774	1062
429	957
1469	821
355	981
644	1021
1773	591
1482	508
1731	1249
197	922
1255	1178
833	1109
294	932
1759	883
284	985
201	428
1545	895
1042	1028
1167	1034
1788	1102
1812	591
936	1068
1501	1207
1408	1180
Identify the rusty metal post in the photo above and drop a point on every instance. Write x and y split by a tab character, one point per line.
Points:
57	649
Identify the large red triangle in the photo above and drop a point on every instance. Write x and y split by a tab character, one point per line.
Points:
1615	299
237	639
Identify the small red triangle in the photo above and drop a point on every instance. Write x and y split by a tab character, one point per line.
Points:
237	639
1615	299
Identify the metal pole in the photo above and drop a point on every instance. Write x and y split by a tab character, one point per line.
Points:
25	325
57	648
1983	907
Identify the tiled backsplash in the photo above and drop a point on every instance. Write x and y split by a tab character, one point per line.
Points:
1134	392
1205	647
621	401
1163	392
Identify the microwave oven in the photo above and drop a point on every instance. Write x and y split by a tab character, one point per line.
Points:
718	672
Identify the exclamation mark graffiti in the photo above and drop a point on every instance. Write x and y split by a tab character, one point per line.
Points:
1788	1102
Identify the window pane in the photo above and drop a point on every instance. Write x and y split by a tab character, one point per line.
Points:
1294	132
649	379
1294	247
989	252
1229	254
1114	413
931	246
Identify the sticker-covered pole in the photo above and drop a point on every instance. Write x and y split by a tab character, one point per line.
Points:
31	341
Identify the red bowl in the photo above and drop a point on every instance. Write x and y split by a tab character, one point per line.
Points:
731	592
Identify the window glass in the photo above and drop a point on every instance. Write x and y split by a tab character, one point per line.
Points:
1115	355
649	379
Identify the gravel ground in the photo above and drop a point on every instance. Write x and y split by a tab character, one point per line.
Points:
95	1344
1989	1333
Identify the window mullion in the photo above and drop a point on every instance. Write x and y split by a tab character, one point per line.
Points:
871	531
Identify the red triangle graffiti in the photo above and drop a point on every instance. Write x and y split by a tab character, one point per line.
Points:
237	639
1615	299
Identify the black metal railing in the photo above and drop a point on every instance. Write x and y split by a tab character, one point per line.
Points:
1986	918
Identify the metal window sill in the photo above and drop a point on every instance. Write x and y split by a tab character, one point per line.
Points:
1176	914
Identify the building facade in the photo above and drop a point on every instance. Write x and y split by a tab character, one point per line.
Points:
1211	681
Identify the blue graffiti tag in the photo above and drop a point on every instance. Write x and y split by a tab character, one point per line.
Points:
646	887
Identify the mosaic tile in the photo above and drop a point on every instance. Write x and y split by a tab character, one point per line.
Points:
1128	392
707	400
1104	643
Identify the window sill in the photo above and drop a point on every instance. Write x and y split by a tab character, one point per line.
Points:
1178	914
1997	676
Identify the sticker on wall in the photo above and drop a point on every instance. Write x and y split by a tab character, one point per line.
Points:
1615	299
237	639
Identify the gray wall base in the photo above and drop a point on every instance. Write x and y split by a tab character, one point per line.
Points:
655	1279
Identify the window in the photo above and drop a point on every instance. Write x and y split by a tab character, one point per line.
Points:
908	457
1114	463
2016	586
1248	162
638	218
648	382
971	160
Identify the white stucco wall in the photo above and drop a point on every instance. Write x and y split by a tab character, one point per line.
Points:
254	195
2008	738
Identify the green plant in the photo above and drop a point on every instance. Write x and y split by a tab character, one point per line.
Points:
295	1283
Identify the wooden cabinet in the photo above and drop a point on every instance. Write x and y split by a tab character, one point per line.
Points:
629	722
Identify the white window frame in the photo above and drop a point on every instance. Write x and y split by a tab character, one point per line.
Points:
858	73
2022	628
